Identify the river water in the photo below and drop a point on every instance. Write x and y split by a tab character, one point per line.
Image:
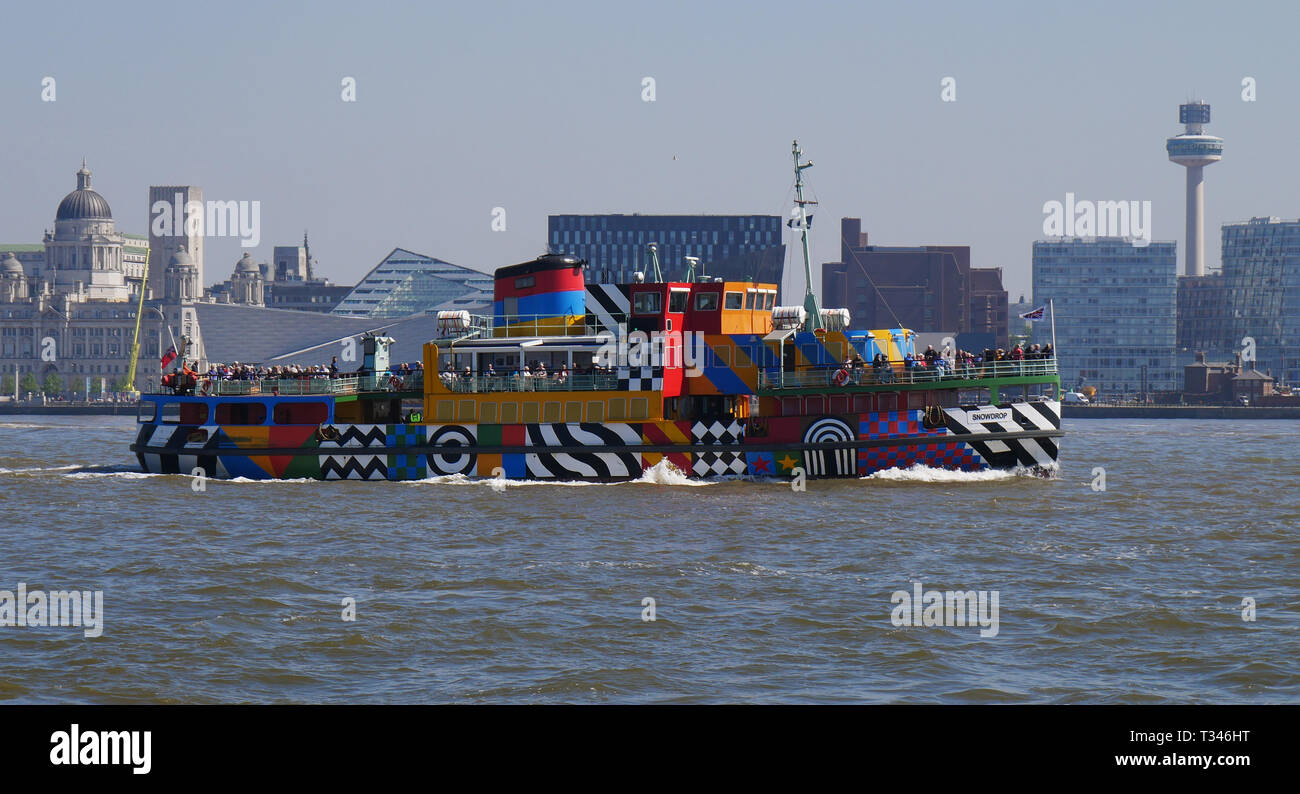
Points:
482	592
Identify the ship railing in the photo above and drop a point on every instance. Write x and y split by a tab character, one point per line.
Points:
898	373
342	384
520	325
476	384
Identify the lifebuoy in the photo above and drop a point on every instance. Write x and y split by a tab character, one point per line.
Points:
840	377
207	384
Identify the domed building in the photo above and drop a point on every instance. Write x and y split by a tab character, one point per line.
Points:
246	282
83	255
13	280
182	278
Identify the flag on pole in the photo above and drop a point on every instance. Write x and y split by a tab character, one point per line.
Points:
1036	314
169	356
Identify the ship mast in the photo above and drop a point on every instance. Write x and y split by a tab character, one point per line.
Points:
814	320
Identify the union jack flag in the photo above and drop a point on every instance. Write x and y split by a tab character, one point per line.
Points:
1036	314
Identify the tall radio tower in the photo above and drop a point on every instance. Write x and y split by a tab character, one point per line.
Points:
1194	150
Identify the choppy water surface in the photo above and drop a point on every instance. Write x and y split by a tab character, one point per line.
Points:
473	591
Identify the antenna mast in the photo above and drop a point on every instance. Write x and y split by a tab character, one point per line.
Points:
652	250
810	306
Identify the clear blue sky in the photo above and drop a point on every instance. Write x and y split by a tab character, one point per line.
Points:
536	107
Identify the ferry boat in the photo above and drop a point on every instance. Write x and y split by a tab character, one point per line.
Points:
575	381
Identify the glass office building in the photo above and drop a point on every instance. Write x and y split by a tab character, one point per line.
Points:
1115	312
734	247
406	283
1261	284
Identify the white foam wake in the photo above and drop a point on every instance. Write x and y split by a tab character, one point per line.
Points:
922	473
662	473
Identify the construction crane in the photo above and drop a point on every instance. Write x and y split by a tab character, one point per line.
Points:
135	341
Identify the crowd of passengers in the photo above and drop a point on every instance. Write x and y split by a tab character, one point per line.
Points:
185	378
533	372
961	362
238	371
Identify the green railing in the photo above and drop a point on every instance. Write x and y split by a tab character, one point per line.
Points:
343	384
601	381
896	374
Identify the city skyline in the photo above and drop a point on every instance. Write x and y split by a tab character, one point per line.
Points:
457	115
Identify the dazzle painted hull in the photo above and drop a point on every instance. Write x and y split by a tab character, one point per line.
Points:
1004	436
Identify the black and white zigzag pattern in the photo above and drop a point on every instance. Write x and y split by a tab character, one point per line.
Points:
1008	418
714	464
583	465
832	462
354	467
640	378
352	436
718	432
608	305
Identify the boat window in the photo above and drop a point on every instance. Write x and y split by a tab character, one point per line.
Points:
734	301
886	403
305	413
146	411
647	303
973	397
231	413
509	413
677	300
770	302
750	297
195	413
706	301
524	282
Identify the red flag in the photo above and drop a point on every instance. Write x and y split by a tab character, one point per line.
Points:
169	356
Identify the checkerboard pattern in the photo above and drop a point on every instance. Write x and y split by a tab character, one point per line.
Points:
952	455
712	464
407	467
641	378
402	466
717	432
896	424
400	436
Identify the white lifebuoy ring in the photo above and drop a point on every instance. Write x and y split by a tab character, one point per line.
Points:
841	377
207	384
